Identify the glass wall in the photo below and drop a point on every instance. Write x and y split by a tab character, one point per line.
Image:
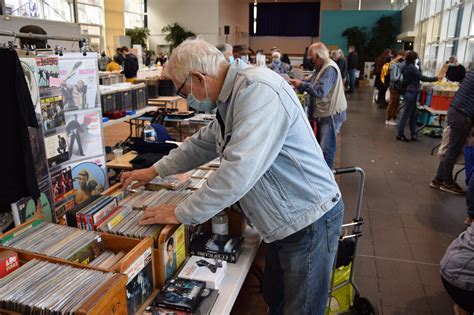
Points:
55	10
444	28
134	13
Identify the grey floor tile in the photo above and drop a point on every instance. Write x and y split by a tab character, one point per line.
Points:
400	270
388	310
369	289
393	249
397	293
429	275
365	267
440	303
430	252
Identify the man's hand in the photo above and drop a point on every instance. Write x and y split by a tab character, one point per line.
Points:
296	83
163	214
142	176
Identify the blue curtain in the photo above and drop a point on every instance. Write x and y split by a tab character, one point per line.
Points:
286	19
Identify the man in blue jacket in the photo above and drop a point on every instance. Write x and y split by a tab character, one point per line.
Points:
271	164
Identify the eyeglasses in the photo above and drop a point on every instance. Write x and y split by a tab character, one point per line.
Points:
181	94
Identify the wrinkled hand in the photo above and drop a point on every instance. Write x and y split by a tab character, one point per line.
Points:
163	214
296	83
141	176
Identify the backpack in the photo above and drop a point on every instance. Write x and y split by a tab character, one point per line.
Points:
398	84
385	74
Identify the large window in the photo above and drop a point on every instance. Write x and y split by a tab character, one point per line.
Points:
56	10
134	13
90	12
284	19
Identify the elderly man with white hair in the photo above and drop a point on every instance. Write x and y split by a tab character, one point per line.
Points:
271	166
327	100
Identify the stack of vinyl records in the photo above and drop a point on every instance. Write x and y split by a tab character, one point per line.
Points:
57	241
196	183
173	182
202	173
126	222
40	287
148	199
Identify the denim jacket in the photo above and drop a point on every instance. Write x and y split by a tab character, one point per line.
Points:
272	162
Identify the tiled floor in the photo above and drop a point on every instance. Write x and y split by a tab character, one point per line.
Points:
408	225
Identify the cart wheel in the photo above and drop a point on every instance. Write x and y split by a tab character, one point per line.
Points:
363	307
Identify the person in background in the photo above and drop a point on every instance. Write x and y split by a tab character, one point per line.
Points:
113	65
338	57
161	59
147	58
130	64
381	87
456	71
352	64
103	61
411	83
269	157
118	56
443	70
284	57
395	71
228	51
457	272
460	121
327	104
277	65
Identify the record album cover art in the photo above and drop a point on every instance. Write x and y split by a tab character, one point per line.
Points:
89	178
140	284
62	183
56	148
79	75
47	69
52	110
84	134
26	208
30	71
174	252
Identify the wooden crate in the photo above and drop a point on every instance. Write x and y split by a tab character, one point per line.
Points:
108	299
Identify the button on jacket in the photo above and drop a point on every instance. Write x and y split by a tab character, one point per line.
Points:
272	163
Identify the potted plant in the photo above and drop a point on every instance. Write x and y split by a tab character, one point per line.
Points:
176	34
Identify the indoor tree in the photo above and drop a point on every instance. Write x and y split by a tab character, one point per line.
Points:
176	34
357	37
138	35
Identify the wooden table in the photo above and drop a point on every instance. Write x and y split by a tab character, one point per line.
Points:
124	163
166	101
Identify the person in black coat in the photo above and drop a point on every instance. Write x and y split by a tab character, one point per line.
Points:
456	71
411	83
338	57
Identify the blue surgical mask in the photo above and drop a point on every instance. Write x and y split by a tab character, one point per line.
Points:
200	106
231	59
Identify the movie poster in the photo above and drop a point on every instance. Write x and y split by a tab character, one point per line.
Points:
80	81
84	133
90	178
56	148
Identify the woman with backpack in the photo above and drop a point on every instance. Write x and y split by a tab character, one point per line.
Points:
395	78
411	86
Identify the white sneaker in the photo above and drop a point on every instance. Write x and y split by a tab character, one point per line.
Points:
387	122
392	122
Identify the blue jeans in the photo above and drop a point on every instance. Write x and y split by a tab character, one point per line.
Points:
327	131
352	79
409	113
470	197
339	119
298	268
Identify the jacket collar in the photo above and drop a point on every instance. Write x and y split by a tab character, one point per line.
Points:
229	80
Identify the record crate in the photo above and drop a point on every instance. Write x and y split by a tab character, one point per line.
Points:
135	251
167	231
108	299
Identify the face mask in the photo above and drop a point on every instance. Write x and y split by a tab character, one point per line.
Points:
276	61
231	59
201	106
452	64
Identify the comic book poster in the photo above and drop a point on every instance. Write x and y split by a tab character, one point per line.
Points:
62	183
90	178
47	69
84	133
52	109
56	146
80	81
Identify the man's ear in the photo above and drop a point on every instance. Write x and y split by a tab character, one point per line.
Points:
197	76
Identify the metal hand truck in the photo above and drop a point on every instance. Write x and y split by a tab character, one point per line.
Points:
344	295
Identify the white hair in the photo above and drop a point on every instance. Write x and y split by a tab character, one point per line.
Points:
276	54
320	50
225	48
195	55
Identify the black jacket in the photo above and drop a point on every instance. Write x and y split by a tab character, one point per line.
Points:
352	60
342	64
130	66
463	100
412	77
